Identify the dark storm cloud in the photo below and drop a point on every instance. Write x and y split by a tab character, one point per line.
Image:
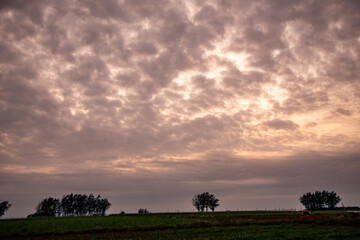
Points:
160	98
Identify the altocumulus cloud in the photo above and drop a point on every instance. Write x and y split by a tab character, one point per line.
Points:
149	102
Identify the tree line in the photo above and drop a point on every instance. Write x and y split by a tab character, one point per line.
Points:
72	205
82	204
311	201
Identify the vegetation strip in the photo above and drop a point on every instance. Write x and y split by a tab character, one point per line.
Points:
44	227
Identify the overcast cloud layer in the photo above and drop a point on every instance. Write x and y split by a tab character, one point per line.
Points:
148	102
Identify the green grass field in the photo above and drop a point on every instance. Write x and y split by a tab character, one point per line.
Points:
219	225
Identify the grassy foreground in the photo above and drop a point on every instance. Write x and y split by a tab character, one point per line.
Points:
221	225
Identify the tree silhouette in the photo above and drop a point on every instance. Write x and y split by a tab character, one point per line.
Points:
4	206
141	210
213	203
67	204
205	201
72	205
319	200
80	204
332	199
103	205
91	204
48	207
308	200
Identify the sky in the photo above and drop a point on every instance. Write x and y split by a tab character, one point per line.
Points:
149	102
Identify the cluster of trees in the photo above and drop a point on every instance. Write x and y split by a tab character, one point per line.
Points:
205	201
82	204
141	210
4	206
72	205
320	200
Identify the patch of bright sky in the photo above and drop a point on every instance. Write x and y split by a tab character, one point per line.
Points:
133	165
238	59
184	79
274	92
121	92
291	33
337	123
26	169
191	9
83	50
275	53
6	140
51	77
341	127
78	107
248	181
48	13
215	74
328	123
48	152
220	50
261	155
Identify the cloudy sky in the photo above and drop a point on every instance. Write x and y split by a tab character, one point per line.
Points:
148	102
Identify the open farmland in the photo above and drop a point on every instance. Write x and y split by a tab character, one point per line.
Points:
221	225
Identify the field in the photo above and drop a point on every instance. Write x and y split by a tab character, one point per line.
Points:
219	225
